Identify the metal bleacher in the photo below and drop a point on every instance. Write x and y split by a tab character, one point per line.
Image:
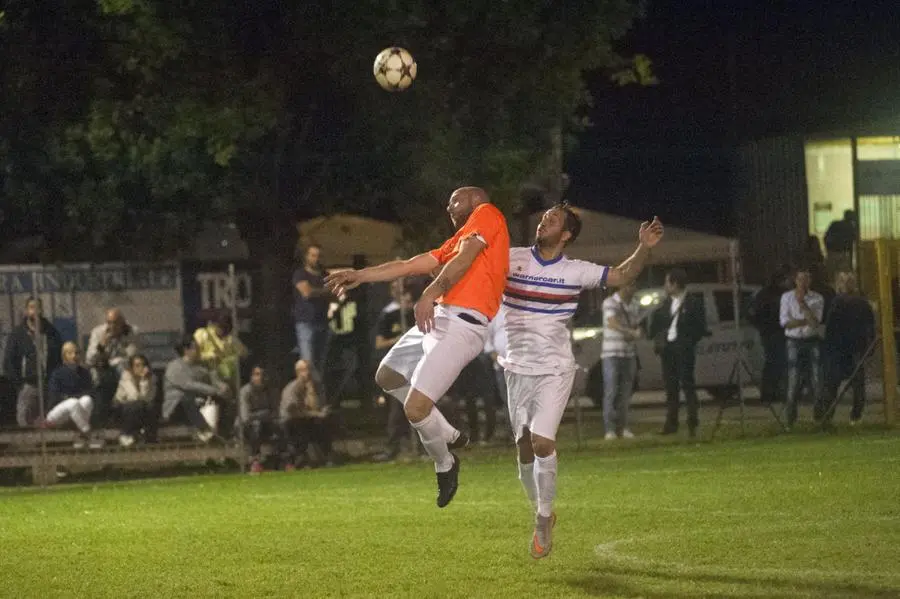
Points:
21	448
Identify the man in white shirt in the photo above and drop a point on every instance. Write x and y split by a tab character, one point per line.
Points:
676	328
621	317
541	296
801	316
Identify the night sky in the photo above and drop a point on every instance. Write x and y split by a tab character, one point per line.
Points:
729	71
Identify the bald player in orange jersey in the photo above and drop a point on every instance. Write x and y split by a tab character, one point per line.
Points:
451	322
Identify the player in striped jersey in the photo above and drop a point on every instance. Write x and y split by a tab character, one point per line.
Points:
541	296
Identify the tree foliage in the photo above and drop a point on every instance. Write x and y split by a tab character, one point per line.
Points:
124	118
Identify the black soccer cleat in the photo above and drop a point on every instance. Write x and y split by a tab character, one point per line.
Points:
461	442
448	483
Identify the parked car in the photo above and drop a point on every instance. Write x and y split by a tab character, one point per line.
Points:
717	354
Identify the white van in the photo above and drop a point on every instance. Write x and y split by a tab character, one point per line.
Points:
716	353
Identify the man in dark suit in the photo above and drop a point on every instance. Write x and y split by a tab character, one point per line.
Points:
676	327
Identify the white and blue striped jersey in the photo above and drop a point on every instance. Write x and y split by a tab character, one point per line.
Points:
539	299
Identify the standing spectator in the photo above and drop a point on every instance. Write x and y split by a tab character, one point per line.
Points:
676	328
70	390
621	316
134	398
304	419
221	352
388	330
21	360
187	385
765	314
256	410
110	347
801	315
311	301
849	330
840	239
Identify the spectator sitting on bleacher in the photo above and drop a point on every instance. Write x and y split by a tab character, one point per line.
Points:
303	418
134	398
187	385
69	391
114	342
110	347
221	352
20	360
256	411
220	349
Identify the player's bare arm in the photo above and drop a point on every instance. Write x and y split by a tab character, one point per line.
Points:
452	272
345	280
649	235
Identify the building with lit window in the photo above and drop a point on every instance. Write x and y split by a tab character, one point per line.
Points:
792	187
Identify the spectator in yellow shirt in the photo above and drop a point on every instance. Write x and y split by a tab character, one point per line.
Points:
220	349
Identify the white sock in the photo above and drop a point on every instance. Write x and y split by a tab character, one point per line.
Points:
431	433
545	480
526	475
399	393
448	431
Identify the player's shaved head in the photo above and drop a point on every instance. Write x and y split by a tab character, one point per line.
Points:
463	201
476	195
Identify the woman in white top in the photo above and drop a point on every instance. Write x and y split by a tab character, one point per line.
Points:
134	398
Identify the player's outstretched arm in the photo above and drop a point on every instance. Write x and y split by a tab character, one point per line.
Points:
650	234
341	282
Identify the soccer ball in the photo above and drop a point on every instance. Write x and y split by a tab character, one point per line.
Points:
394	69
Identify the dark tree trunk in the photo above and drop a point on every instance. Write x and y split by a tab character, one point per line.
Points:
271	237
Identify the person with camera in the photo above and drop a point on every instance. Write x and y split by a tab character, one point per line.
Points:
110	348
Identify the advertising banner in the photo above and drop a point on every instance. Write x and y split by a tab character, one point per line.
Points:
76	296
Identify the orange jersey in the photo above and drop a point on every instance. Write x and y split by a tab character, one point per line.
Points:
481	288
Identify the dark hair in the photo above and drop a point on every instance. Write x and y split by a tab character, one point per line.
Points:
182	346
223	320
781	273
135	358
678	277
571	222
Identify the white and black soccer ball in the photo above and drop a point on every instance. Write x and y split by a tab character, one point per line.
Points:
395	69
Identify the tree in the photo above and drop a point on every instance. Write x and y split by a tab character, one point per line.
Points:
263	111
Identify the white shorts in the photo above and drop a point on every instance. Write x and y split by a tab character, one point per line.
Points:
432	362
537	402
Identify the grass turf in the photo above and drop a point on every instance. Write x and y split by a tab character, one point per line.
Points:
790	516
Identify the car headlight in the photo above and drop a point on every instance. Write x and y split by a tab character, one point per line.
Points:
582	334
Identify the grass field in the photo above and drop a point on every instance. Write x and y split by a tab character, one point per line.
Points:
789	516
